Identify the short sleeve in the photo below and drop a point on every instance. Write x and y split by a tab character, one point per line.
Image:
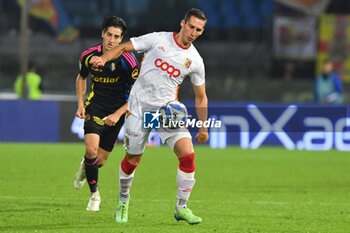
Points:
130	67
84	66
144	42
198	75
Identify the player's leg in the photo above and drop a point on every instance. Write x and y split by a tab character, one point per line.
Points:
108	137
80	177
91	169
134	143
183	148
108	140
102	156
126	177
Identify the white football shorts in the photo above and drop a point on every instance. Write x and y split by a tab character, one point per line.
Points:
136	136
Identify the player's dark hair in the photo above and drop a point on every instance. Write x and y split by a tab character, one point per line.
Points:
195	13
114	21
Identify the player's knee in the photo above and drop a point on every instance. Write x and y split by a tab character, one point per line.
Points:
134	159
91	151
129	163
183	146
187	163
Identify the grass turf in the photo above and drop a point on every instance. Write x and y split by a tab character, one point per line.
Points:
265	190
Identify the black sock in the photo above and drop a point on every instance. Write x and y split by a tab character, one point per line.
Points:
91	171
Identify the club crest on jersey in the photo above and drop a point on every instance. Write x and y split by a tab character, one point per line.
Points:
112	66
187	63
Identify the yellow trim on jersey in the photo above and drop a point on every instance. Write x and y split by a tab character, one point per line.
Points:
86	63
92	93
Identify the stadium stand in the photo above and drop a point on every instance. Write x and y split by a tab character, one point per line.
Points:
236	45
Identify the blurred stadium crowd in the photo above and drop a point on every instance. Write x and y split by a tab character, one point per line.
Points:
244	61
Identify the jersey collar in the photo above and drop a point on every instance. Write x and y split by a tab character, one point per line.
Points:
178	44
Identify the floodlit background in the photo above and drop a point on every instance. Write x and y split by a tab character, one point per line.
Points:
254	50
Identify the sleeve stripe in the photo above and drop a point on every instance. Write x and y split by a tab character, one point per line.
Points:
130	59
98	48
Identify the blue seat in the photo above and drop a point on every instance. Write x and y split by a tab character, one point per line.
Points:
229	13
84	20
211	10
251	17
2	11
266	7
247	7
227	7
73	6
208	6
213	20
233	21
252	22
136	7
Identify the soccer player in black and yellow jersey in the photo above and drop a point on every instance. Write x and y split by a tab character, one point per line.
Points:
105	105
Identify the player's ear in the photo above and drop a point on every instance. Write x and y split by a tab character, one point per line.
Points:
103	32
182	23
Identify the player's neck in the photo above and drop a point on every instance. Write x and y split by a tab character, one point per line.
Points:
179	40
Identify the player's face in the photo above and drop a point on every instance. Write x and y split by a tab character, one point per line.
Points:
191	29
111	37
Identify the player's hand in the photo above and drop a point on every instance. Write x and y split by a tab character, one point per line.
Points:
96	61
80	112
202	137
111	120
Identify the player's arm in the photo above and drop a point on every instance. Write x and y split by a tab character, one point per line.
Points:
113	118
201	103
130	73
80	87
113	53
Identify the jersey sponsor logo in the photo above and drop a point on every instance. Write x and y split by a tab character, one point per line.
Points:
135	73
105	79
96	69
165	66
187	63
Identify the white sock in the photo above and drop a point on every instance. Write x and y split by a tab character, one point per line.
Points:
125	182
185	183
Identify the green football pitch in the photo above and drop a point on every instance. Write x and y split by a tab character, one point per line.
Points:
265	190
